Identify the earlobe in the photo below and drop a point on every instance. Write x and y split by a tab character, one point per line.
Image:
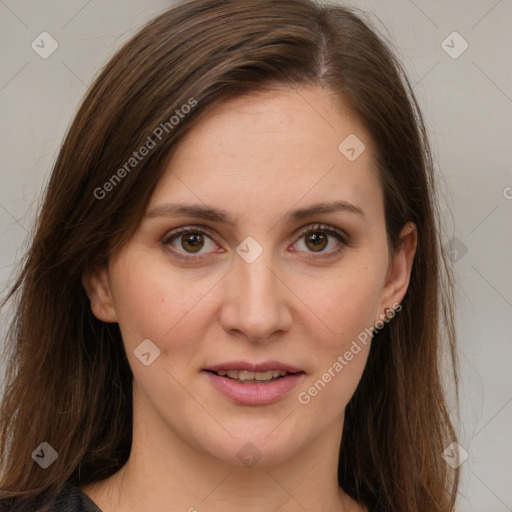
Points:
400	268
97	287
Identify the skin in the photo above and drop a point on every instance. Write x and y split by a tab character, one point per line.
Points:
257	157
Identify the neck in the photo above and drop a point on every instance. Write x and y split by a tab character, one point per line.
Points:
165	472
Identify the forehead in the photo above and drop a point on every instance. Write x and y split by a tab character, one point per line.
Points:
279	148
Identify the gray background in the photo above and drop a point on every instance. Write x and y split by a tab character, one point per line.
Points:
467	103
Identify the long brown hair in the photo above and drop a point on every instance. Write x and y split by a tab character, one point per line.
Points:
68	382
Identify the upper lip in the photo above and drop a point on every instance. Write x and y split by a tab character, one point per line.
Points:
254	367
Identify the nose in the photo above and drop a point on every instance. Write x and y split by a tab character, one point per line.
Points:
255	300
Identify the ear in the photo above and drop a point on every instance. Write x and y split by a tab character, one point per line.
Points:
399	271
97	287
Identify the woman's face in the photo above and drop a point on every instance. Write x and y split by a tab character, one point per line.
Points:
283	266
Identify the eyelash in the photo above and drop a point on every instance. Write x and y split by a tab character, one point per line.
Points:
306	231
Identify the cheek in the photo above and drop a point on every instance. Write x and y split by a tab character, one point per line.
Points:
341	335
155	302
348	303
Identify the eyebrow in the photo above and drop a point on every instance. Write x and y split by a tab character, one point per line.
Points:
218	215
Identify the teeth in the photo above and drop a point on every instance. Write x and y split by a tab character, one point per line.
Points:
245	376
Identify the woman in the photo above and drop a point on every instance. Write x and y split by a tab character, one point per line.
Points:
235	295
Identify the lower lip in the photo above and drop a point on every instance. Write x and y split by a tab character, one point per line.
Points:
258	393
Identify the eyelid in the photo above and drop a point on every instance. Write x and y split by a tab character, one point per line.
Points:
323	227
185	229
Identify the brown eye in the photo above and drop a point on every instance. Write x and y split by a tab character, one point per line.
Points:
192	242
317	241
184	241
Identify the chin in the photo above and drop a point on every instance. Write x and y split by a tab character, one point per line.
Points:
262	445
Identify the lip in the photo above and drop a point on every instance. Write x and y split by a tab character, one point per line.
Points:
254	367
258	393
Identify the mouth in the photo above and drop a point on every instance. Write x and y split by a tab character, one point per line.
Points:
249	377
254	384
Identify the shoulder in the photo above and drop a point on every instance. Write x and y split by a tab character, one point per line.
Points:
69	499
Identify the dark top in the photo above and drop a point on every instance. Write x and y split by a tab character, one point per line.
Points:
70	499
